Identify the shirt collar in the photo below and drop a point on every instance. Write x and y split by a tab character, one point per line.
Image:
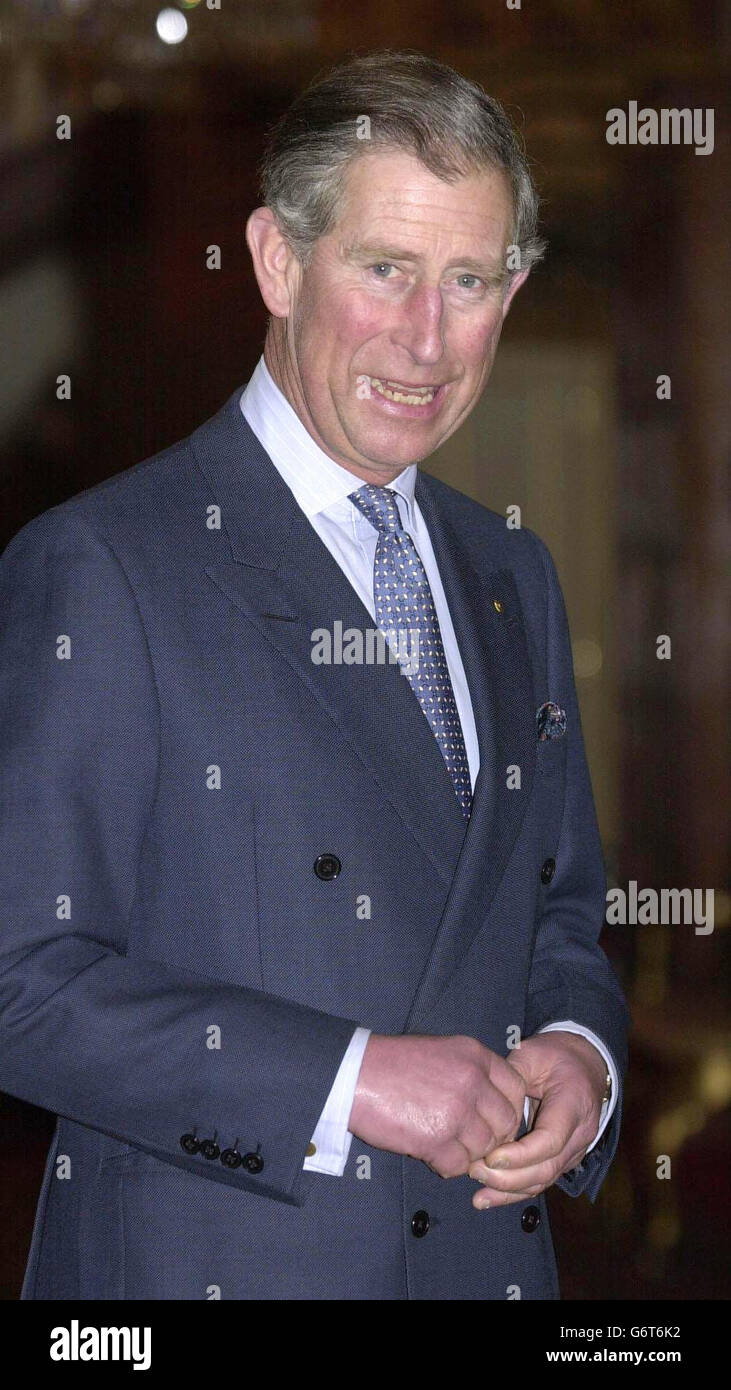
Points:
318	483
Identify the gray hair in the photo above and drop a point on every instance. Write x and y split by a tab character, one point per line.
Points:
413	103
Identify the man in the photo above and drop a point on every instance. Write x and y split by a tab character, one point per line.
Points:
302	937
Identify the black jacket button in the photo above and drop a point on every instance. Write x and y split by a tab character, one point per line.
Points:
327	866
530	1219
419	1224
253	1163
548	869
189	1143
231	1158
210	1149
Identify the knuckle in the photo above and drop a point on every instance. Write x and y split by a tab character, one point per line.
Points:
467	1077
472	1051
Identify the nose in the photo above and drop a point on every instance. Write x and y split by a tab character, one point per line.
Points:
420	325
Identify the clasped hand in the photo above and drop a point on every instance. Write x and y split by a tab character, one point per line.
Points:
458	1106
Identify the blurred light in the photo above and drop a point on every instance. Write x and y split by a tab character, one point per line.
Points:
171	25
588	658
672	1129
663	1230
721	908
714	1082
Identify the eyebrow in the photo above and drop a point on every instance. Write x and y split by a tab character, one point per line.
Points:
377	251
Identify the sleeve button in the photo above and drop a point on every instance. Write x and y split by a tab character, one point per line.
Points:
253	1163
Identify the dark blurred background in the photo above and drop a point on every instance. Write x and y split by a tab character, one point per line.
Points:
103	241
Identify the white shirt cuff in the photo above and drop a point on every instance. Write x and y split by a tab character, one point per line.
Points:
608	1106
332	1138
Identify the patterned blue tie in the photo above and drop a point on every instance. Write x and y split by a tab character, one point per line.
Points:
404	604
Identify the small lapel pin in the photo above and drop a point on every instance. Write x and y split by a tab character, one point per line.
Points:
550	721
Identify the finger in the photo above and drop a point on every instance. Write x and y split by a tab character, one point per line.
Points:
489	1197
498	1114
478	1137
521	1158
535	1178
555	1123
492	1123
510	1083
449	1160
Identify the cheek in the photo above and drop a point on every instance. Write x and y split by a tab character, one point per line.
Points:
357	320
330	322
480	342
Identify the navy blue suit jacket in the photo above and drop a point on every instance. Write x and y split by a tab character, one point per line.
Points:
173	763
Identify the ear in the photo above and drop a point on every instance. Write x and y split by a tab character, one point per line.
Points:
274	261
515	285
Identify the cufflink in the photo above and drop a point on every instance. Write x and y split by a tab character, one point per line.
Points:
607	1090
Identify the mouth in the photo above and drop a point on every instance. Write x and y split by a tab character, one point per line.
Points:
418	402
403	393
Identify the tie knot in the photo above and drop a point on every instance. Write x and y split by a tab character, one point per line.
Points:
378	505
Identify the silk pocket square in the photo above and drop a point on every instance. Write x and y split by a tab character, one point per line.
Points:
550	721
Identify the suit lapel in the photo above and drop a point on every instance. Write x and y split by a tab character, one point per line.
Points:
488	623
284	580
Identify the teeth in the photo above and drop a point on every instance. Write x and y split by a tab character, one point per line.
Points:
394	392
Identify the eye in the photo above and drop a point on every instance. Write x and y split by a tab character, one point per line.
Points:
476	282
380	266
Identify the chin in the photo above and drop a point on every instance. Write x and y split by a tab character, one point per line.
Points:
401	450
393	457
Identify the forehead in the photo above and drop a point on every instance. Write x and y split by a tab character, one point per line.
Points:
387	192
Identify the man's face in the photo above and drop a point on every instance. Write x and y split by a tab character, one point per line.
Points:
395	321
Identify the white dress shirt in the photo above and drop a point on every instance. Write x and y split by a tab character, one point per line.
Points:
321	488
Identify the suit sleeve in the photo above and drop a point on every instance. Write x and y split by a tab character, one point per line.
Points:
570	975
107	1038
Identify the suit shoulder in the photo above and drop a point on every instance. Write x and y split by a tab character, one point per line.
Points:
458	505
160	479
489	532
